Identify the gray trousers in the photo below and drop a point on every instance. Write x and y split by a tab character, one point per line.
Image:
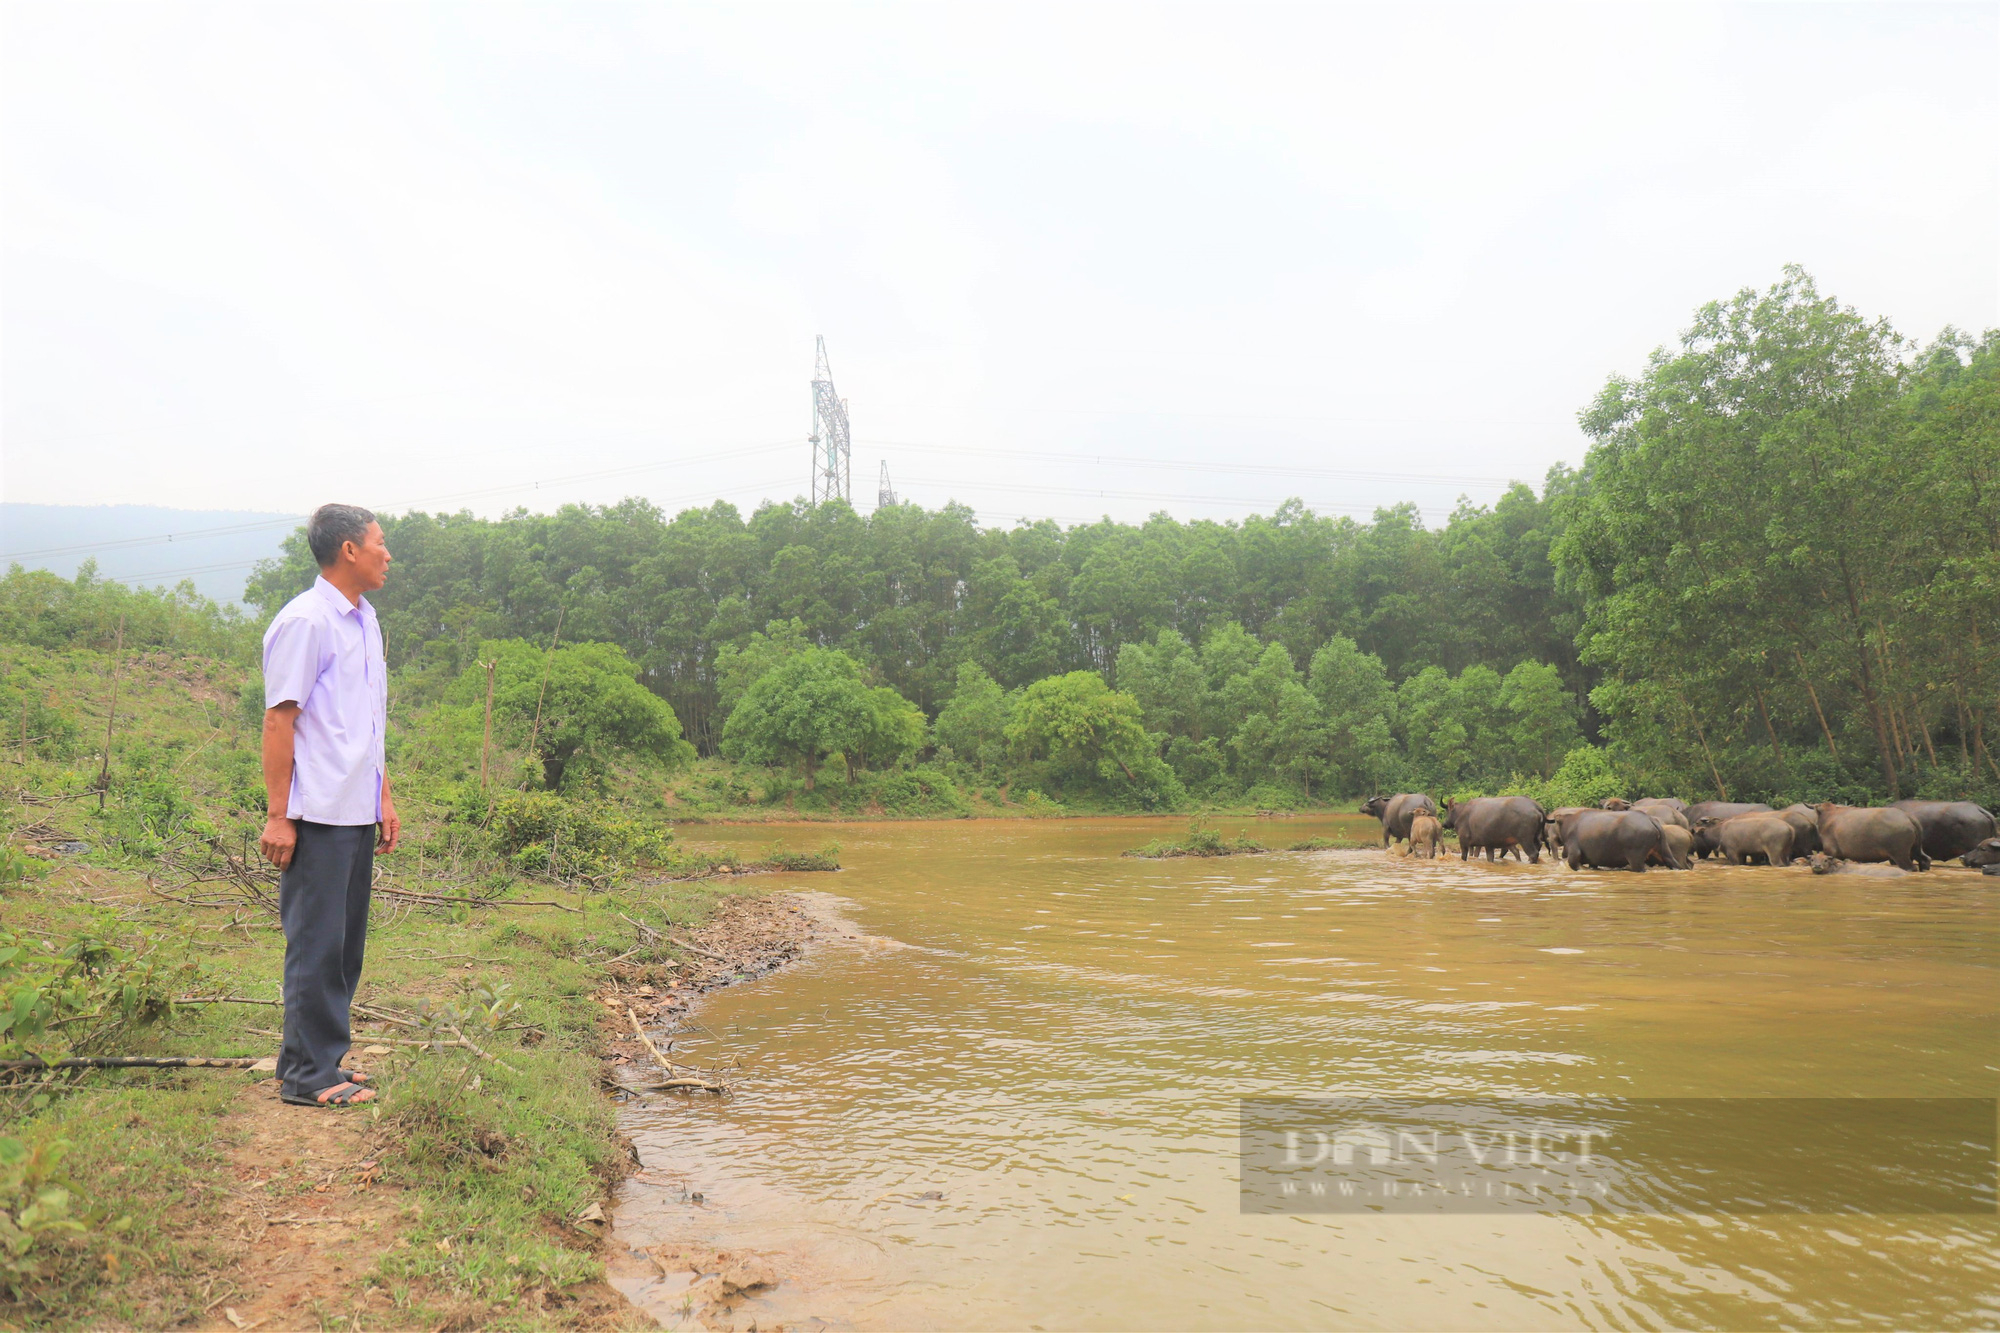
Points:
323	904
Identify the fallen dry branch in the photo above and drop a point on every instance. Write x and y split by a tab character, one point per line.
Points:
667	1085
442	900
138	1062
364	1010
470	1045
705	953
670	1066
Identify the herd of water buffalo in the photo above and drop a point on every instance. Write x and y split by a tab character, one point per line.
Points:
1667	831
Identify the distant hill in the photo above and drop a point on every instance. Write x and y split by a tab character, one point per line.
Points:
145	544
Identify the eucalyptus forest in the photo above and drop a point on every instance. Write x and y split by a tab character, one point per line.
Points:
1775	574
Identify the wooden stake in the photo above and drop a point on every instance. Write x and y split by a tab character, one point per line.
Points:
1768	728
1721	790
1819	712
486	741
111	716
548	661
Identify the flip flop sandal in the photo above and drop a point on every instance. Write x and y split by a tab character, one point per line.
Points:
340	1094
359	1080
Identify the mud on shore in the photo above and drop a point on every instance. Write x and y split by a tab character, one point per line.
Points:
746	938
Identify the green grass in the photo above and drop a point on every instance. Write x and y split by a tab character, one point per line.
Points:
500	1171
1200	840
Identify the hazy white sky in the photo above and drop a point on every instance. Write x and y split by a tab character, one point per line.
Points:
1069	260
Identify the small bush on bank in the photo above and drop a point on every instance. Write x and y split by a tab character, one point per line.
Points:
827	858
541	833
918	792
1200	840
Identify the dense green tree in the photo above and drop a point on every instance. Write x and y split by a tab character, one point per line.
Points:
1541	719
1085	733
896	730
1434	736
1167	679
1771	533
809	707
1283	734
1357	703
973	722
739	666
573	712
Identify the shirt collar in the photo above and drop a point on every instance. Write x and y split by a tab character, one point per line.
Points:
336	598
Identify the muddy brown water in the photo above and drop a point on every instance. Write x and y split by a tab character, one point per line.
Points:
1051	1041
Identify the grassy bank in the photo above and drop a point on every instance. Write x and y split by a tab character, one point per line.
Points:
718	791
135	925
490	1161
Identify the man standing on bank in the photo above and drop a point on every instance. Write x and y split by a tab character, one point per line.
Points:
326	786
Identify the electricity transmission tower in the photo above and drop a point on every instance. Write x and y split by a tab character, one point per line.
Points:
885	495
833	473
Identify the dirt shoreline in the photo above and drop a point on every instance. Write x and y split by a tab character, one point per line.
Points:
299	1209
747	938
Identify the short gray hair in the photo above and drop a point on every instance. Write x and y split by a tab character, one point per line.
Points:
333	525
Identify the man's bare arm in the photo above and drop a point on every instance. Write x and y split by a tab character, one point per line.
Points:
392	824
281	836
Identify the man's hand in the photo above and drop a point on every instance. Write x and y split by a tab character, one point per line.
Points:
390	830
280	840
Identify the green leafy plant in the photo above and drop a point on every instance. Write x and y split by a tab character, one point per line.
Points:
540	833
1200	840
35	1209
55	1002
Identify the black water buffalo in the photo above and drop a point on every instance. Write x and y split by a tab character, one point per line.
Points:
1552	826
1700	810
1753	833
1985	854
1872	833
1397	811
1665	809
1616	837
1502	823
1805	828
1950	828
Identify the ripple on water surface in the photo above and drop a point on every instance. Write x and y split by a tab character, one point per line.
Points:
1062	1053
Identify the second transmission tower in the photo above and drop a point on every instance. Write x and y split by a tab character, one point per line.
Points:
833	471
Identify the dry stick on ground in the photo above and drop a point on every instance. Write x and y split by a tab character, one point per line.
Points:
477	1050
459	1039
104	772
705	953
365	1010
470	902
660	1058
138	1062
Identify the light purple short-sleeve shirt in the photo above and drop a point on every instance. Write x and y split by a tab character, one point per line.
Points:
325	655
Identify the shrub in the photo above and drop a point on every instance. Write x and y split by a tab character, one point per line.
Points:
919	791
35	1209
53	1003
826	858
1200	840
540	833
